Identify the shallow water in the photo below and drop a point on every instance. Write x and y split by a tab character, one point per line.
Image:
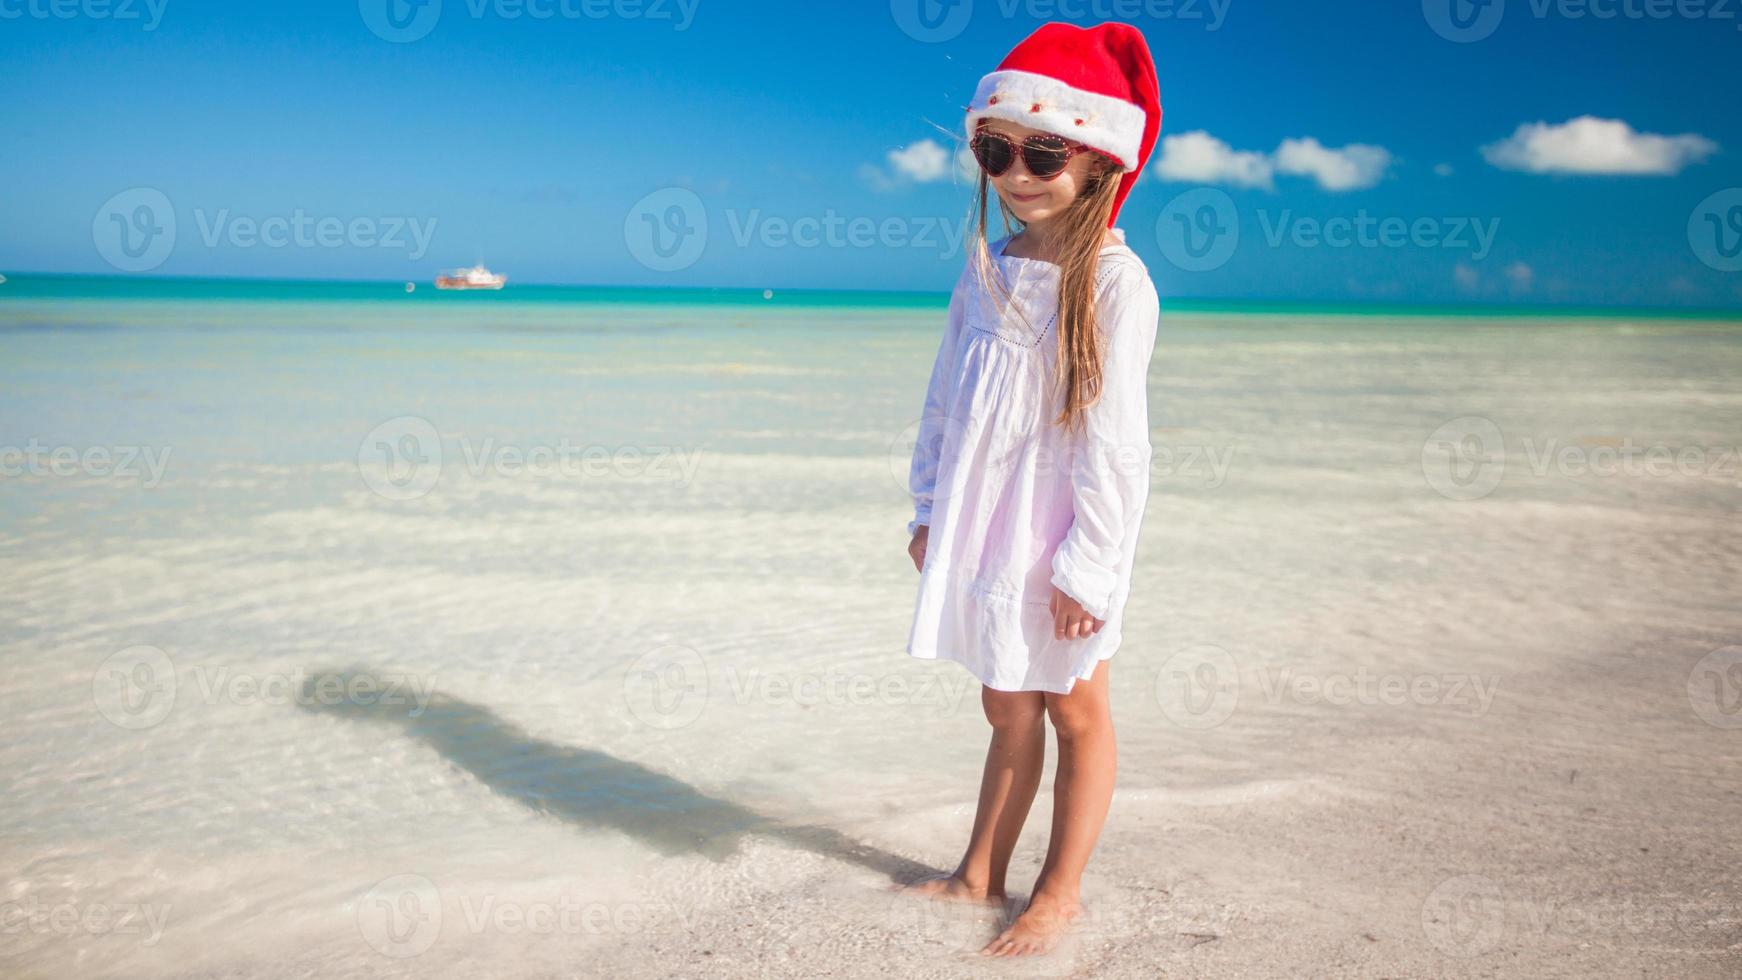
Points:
493	640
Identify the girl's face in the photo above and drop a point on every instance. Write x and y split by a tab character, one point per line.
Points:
1030	198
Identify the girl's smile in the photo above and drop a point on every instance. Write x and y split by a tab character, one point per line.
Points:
1031	199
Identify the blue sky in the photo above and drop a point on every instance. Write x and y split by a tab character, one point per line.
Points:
553	147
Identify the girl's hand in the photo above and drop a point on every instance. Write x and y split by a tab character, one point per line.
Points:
1069	620
916	547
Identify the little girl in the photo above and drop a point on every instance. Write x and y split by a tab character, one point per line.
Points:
1031	472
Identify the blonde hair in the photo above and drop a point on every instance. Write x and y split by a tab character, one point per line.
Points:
1078	236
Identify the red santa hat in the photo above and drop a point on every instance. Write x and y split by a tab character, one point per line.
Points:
1095	85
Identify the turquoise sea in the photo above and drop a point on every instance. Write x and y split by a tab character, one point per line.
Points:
121	288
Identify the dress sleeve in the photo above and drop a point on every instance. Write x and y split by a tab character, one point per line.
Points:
1111	454
934	419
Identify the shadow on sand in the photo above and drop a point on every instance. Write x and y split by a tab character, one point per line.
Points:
585	787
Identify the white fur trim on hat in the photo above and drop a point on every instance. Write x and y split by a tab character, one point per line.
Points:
1108	124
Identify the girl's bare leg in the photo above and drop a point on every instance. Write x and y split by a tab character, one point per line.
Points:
1007	787
1082	794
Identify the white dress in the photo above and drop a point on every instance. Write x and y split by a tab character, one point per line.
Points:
1014	506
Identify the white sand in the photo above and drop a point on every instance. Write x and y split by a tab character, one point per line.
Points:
669	731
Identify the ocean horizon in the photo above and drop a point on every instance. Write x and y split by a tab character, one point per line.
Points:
56	287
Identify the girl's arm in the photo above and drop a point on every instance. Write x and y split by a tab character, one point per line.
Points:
934	419
1110	465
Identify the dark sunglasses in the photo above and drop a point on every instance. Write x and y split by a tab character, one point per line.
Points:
1045	156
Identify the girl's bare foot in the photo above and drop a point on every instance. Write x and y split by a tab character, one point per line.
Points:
954	888
1038	929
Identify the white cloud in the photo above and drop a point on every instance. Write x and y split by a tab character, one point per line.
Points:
1353	167
924	161
1588	145
921	162
1467	276
1443	170
1199	158
1521	276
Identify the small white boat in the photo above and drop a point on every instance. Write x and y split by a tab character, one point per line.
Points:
477	277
